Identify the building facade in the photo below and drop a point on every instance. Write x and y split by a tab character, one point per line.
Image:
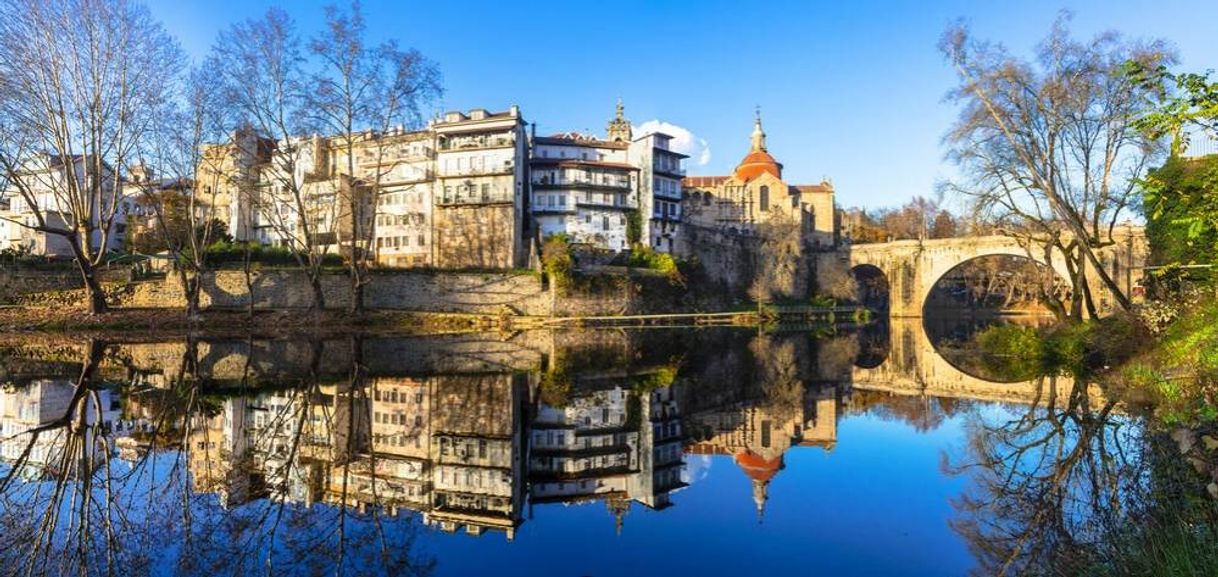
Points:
584	188
757	194
48	181
480	190
610	193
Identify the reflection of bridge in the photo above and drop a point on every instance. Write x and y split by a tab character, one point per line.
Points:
912	267
914	367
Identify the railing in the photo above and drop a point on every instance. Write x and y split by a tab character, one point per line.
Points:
483	171
492	197
579	183
468	143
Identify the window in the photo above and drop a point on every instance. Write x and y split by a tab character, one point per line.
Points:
764	198
604	223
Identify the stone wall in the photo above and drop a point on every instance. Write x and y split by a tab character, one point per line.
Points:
740	261
486	293
16	283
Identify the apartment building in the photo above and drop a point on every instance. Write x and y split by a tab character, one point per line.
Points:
480	190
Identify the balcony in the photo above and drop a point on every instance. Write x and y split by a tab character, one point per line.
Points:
581	184
390	156
454	143
474	198
666	169
505	169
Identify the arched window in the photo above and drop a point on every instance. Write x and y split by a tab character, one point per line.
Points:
764	198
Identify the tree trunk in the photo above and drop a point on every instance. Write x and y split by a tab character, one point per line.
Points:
190	285
96	294
319	295
357	290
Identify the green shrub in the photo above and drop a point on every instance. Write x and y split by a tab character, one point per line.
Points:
643	256
558	262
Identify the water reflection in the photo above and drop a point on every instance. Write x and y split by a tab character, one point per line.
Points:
352	456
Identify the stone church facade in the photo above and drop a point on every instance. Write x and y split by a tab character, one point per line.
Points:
755	194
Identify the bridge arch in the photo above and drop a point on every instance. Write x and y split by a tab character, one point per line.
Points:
936	276
874	288
939	261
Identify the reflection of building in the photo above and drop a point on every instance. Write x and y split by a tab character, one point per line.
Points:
449	447
221	461
616	445
758	435
74	449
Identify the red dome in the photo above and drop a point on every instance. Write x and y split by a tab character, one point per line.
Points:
756	163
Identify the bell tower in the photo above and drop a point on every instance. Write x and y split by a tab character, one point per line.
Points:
619	127
758	136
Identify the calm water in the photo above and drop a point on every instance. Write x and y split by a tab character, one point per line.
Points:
571	453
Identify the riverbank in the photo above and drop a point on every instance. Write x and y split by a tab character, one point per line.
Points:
271	323
329	322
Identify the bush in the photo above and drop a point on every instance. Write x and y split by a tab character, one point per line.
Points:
558	262
646	257
220	253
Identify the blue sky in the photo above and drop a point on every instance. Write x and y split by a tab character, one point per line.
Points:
851	91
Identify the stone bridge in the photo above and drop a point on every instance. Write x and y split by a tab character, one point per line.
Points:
911	268
914	367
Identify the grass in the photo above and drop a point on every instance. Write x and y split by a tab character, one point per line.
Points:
1179	375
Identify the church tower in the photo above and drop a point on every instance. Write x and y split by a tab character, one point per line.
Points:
619	127
758	136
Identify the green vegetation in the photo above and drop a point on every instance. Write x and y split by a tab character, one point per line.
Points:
558	262
227	253
1081	349
1181	201
634	227
642	256
1173	526
1180	375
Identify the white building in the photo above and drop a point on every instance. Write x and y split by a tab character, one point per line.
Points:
46	178
595	191
659	188
585	188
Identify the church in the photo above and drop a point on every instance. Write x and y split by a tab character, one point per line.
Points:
756	194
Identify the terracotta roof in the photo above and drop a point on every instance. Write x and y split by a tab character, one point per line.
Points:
577	139
822	187
755	164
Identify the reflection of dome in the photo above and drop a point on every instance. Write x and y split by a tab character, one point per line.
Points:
758	468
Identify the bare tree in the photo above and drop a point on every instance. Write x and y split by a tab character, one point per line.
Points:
1047	147
359	93
80	85
258	66
176	151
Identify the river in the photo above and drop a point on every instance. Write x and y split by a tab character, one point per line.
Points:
646	452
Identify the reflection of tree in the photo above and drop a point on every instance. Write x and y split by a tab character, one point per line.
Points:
68	507
1044	483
